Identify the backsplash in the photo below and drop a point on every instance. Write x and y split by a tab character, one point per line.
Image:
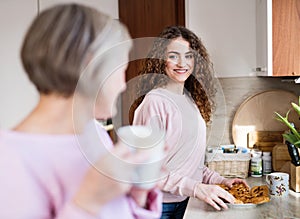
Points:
235	91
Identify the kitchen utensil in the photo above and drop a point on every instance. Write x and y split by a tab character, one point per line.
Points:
264	140
295	177
256	113
294	154
247	205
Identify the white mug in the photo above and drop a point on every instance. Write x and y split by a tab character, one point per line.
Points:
146	140
278	184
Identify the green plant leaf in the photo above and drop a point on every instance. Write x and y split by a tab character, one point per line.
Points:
296	108
290	137
281	118
294	136
288	124
284	119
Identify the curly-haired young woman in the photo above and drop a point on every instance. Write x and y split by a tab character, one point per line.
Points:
175	92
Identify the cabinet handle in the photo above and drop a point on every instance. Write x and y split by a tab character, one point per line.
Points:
261	69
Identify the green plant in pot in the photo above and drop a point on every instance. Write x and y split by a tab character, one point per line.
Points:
292	138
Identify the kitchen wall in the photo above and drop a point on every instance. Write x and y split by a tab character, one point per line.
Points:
235	91
17	95
228	31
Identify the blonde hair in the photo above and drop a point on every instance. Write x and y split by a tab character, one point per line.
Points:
59	44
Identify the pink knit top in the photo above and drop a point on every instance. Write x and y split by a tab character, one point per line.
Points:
40	173
185	138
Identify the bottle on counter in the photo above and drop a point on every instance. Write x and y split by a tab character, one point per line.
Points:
267	162
256	163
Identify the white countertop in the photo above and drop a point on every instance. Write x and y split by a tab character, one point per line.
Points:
281	208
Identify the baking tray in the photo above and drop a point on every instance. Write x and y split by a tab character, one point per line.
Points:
247	205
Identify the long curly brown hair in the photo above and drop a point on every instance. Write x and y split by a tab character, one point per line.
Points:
200	84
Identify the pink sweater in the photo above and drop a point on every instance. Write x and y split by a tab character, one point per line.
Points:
186	138
40	173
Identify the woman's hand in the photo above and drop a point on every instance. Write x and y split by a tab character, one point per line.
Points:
139	195
230	182
97	188
213	195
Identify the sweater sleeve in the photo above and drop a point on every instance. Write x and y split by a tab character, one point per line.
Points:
127	208
211	177
18	184
181	185
178	184
154	206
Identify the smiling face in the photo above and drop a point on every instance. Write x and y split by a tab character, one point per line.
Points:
180	60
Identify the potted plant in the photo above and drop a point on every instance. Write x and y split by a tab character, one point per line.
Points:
292	137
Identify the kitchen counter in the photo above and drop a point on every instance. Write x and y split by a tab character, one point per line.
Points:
281	208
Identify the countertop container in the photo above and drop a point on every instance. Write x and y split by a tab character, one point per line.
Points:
295	178
280	158
229	164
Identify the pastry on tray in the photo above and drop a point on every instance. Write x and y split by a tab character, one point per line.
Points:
245	195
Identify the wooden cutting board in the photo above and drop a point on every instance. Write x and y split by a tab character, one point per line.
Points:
264	140
256	113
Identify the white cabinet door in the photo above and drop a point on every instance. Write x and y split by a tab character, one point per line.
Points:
278	36
17	95
109	7
227	28
264	37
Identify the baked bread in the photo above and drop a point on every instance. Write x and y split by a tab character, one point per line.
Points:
259	191
244	195
260	194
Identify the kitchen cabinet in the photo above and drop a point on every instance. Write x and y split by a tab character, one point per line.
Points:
278	37
152	20
227	29
17	95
